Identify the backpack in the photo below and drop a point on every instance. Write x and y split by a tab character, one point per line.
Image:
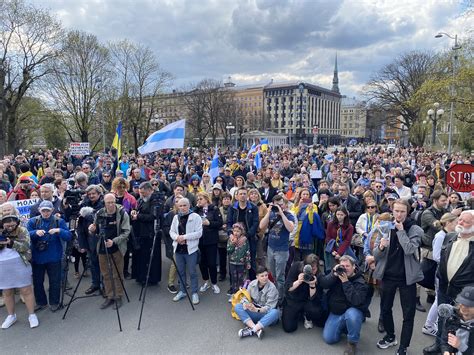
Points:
242	295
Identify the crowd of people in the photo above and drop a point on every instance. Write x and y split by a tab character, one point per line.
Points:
310	235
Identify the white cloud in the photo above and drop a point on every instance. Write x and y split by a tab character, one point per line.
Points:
256	40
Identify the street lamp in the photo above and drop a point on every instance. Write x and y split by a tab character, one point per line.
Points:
456	47
301	89
434	115
157	120
230	127
315	134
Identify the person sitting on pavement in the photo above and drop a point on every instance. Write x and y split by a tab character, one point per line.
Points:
261	312
347	292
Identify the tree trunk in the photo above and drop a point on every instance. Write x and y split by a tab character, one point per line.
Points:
135	138
12	132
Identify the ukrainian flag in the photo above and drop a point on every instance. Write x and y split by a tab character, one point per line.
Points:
264	144
117	143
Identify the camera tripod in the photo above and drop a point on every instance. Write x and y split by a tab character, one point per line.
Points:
145	287
110	272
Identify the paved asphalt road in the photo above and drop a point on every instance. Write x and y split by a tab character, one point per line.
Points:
170	327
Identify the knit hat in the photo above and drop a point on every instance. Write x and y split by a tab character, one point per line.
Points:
240	226
195	177
466	296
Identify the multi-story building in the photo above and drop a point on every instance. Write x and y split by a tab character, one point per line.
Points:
353	119
298	109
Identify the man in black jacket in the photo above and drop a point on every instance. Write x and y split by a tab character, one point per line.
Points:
351	203
455	269
245	212
346	299
143	224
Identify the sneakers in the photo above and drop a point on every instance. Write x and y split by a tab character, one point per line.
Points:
205	287
33	319
259	334
107	303
386	342
308	324
172	289
230	292
195	298
91	290
245	332
179	296
9	321
402	351
431	330
216	289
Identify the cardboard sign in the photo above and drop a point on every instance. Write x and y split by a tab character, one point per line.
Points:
79	148
24	207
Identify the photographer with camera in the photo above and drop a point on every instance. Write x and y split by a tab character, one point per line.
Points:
458	335
46	233
87	210
303	295
15	268
112	226
280	223
347	292
454	270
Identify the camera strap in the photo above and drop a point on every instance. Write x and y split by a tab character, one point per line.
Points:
273	223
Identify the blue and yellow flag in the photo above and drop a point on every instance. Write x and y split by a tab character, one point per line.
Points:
264	144
117	143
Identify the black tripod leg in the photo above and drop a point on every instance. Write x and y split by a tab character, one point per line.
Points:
183	283
111	275
121	281
74	294
152	252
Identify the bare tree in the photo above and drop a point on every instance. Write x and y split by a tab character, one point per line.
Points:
79	75
29	39
139	80
392	87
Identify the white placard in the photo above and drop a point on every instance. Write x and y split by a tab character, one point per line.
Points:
79	148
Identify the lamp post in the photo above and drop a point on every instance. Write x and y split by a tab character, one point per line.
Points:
158	121
315	134
301	89
434	115
229	128
453	89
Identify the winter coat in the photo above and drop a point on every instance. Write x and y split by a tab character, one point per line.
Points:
210	233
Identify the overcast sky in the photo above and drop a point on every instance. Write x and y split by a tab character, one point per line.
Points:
254	41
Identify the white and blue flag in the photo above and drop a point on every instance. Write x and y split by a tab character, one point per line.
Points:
214	168
169	137
258	160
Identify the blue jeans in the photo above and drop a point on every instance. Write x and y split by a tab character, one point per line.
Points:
276	262
350	322
187	261
54	277
265	319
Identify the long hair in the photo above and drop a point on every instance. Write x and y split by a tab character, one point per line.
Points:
346	218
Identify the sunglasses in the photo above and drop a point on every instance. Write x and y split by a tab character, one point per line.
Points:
371	207
154	184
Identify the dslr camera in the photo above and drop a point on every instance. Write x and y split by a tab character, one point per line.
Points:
340	270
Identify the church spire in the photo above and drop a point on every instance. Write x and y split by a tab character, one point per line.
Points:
335	79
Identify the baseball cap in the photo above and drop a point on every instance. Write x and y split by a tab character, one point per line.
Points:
135	184
217	186
393	197
46	205
25	180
